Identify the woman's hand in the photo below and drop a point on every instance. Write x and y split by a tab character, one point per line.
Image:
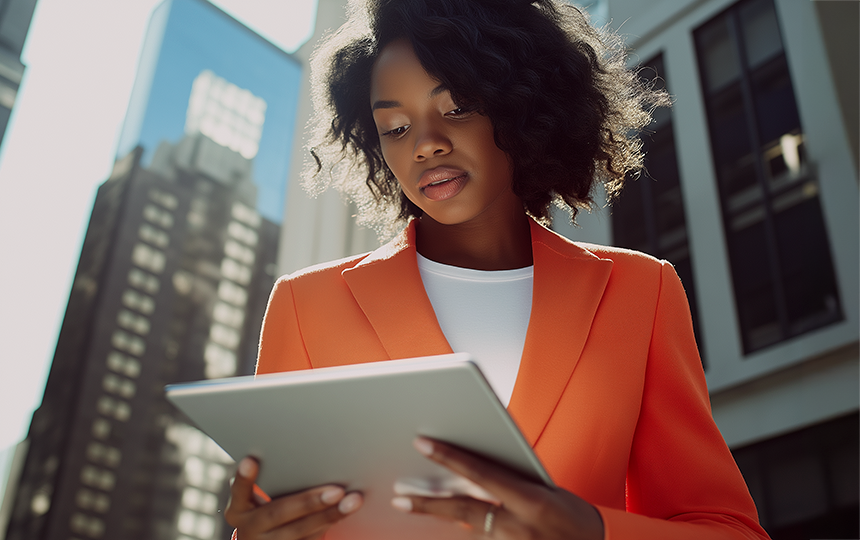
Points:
307	514
527	510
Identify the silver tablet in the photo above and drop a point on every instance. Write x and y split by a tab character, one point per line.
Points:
354	426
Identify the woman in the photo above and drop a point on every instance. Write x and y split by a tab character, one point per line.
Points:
468	118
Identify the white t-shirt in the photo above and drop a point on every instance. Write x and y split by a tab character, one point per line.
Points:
484	313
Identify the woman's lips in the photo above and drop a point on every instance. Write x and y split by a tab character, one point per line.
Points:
442	183
444	189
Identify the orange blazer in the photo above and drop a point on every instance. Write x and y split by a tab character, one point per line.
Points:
610	391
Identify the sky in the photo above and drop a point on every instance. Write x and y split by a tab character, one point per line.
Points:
60	144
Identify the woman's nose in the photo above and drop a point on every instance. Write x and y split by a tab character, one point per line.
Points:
431	142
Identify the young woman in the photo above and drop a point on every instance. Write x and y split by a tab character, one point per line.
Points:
466	119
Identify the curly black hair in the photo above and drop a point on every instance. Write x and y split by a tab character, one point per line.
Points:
561	100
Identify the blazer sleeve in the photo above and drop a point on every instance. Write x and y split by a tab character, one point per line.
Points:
682	481
281	345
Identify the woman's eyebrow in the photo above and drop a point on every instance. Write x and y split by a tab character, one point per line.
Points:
383	104
438	90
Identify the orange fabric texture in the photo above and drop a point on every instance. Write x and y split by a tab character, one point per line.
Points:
610	391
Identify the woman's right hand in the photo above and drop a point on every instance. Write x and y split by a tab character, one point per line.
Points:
304	515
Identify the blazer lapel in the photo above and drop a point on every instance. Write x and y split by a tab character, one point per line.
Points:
568	285
388	287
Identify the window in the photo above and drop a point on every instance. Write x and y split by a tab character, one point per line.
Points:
41	502
230	292
236	271
768	190
220	362
91	500
107	455
242	233
118	385
199	500
246	215
121	363
115	408
154	236
165	199
804	483
148	258
159	216
192	523
131	321
128	343
239	252
89	526
224	336
97	478
101	428
143	281
226	314
649	216
140	302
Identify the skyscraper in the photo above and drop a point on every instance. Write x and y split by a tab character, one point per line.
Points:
172	283
15	16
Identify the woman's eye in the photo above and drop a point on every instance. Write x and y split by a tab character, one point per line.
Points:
396	132
460	112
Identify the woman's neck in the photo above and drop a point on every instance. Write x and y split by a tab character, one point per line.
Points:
504	244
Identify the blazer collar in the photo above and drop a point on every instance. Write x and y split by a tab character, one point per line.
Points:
387	286
568	284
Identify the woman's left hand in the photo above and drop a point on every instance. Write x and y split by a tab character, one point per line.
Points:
527	510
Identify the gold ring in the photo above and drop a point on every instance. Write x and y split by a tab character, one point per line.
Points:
488	520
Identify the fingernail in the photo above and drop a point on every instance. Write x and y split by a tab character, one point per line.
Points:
424	446
332	495
350	503
404	504
247	467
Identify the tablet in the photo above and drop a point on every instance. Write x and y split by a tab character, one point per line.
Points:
354	426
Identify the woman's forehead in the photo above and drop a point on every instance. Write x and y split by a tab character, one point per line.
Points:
397	70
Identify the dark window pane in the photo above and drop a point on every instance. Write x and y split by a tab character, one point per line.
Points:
628	217
719	54
753	286
729	129
776	111
805	483
760	32
810	291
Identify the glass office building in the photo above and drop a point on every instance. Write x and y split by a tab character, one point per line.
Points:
172	283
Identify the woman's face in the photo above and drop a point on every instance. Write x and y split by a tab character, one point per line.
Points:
444	157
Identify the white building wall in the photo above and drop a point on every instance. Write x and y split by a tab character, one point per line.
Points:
813	377
322	228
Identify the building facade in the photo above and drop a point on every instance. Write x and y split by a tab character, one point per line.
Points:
751	191
15	16
174	275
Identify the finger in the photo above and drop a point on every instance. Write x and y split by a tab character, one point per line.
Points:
316	524
465	510
297	506
514	491
242	490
